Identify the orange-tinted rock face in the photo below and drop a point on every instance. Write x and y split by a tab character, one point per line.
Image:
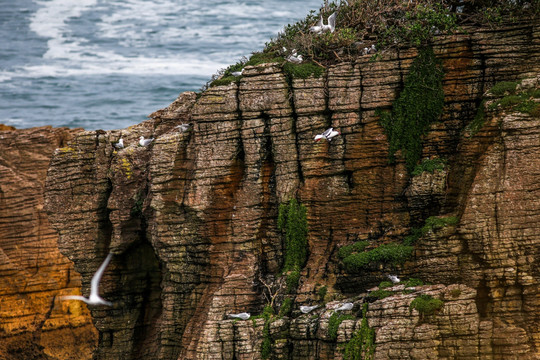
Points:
192	219
33	273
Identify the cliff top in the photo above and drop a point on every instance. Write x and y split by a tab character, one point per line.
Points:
384	24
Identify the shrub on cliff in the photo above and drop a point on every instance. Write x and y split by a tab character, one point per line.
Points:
426	305
362	344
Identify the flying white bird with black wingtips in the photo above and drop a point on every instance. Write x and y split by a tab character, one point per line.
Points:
328	134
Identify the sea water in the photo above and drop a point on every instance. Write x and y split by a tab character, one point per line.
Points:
107	64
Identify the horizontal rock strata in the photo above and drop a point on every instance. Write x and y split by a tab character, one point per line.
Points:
192	219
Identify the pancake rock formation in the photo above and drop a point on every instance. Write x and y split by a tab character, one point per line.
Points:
197	225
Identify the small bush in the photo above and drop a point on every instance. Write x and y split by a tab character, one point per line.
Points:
412	282
380	294
504	87
226	80
426	304
303	71
387	253
455	293
333	324
292	221
358	246
429	165
292	280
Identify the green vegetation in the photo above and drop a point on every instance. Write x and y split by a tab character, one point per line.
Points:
292	222
302	71
358	246
429	165
334	322
412	282
504	87
362	344
266	346
285	308
426	304
432	223
392	253
385	284
381	294
455	293
322	292
419	104
478	121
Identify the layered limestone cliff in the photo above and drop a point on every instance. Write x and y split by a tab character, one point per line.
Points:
192	219
33	273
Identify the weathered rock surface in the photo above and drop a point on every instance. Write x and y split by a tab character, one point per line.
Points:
192	219
33	273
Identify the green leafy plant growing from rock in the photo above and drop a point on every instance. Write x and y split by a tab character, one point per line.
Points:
426	305
333	324
362	344
431	224
429	165
419	104
292	222
266	346
392	253
323	290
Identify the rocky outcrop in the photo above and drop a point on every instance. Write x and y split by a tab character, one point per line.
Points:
33	273
192	219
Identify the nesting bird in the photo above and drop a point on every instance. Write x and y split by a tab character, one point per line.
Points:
119	144
295	58
242	316
183	127
307	309
145	142
345	307
393	278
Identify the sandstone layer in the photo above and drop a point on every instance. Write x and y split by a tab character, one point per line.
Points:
192	219
33	273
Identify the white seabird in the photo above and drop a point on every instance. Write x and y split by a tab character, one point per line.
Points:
393	278
345	307
307	309
243	316
145	142
119	144
183	127
320	27
328	134
237	73
94	298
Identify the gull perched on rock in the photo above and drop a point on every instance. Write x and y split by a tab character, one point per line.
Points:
307	309
328	134
295	58
393	278
320	27
243	316
345	307
94	298
145	142
183	127
237	73
119	144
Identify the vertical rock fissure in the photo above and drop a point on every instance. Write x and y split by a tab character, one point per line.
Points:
290	88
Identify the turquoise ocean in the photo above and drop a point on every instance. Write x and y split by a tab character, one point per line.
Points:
107	64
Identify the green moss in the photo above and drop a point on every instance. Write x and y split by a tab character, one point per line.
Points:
292	221
380	293
412	282
333	324
266	346
392	253
429	165
504	87
362	344
323	290
434	223
263	58
303	71
292	280
455	293
358	246
478	120
285	308
426	304
418	105
385	284
226	80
